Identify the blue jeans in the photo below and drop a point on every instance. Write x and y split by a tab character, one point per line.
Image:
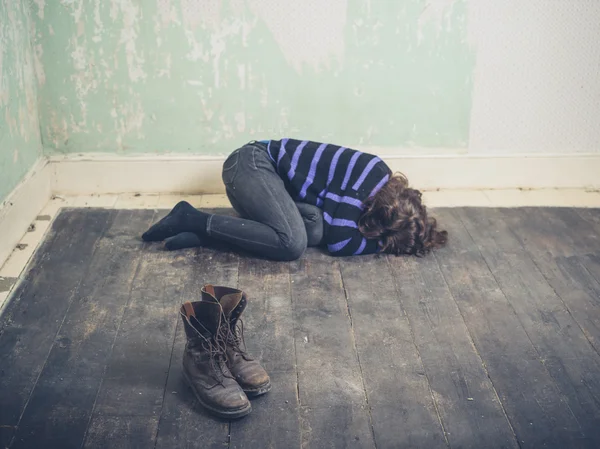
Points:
273	225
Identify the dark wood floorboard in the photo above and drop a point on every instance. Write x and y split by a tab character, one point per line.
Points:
123	432
133	387
558	254
33	317
390	362
592	216
330	384
559	232
465	396
592	263
584	233
61	404
561	344
592	259
538	411
492	342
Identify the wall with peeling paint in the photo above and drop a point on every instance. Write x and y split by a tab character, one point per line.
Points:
20	144
203	76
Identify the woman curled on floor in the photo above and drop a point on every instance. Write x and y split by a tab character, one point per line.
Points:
291	194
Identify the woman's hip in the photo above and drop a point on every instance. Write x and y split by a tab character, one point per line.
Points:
248	160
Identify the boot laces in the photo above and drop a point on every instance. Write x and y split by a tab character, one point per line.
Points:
216	349
234	338
218	360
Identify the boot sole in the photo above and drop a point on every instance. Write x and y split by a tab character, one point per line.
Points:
234	414
254	392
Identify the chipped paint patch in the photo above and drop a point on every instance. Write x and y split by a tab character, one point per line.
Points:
41	5
20	143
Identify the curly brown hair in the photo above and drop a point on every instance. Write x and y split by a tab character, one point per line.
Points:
397	217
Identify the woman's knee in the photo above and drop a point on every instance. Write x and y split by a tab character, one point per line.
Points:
314	233
295	247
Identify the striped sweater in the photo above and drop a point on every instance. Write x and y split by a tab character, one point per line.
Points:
336	179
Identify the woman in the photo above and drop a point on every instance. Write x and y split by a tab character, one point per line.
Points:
292	194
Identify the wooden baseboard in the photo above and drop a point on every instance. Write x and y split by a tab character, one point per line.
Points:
22	206
153	174
97	174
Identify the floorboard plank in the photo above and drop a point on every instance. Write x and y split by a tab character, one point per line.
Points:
535	406
592	216
556	252
61	404
122	432
340	426
269	335
583	235
564	349
275	417
183	422
328	371
592	265
268	319
392	369
562	232
466	399
136	375
592	259
32	318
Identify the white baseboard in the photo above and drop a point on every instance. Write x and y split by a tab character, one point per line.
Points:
520	171
97	174
22	206
151	174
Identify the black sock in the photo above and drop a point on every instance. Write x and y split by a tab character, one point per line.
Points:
182	241
183	218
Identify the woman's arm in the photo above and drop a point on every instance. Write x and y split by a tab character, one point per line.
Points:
312	216
351	242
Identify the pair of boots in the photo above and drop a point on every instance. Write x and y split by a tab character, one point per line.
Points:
215	364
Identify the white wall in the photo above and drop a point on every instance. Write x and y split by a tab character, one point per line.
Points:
537	77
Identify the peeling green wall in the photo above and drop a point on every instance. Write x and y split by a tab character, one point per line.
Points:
20	144
203	76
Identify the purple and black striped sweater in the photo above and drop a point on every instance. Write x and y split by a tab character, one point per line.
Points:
336	179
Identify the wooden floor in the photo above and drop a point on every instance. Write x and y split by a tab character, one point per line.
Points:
493	342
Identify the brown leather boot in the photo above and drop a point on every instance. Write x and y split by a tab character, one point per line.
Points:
205	361
251	376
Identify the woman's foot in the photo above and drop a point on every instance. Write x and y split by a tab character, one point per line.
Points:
183	218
